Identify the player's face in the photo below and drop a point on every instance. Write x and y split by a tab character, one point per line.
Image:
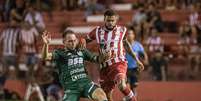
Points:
70	41
131	35
110	21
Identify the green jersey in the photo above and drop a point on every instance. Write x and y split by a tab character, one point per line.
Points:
72	73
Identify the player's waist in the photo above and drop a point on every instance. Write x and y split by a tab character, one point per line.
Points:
112	49
75	83
113	61
80	84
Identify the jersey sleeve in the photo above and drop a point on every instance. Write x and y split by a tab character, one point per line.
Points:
89	56
141	47
92	35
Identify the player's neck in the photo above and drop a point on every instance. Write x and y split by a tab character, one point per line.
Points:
109	29
67	49
131	41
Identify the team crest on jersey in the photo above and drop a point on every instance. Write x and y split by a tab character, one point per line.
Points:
69	54
80	53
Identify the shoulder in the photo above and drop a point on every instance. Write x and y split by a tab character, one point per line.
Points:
95	28
121	27
83	51
139	45
59	50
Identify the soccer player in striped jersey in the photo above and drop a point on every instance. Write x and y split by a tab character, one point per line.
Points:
9	43
112	38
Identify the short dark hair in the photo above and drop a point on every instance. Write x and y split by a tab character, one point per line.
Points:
67	32
110	12
131	28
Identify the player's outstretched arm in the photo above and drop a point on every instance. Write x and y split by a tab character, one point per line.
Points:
46	40
96	58
129	50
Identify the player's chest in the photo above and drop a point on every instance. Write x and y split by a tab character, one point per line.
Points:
72	59
110	36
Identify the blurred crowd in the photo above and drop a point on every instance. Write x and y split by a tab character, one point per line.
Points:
20	38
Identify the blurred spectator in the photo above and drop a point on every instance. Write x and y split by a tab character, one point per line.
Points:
198	27
159	66
170	5
140	22
155	42
12	73
47	5
154	18
142	30
2	81
195	65
1	10
17	13
107	3
10	41
7	6
139	16
44	78
188	2
2	94
69	4
28	42
93	7
194	56
185	33
193	17
35	18
33	87
54	93
82	3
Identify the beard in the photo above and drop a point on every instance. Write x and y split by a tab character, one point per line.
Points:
109	27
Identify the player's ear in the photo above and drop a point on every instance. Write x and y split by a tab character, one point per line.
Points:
117	17
63	41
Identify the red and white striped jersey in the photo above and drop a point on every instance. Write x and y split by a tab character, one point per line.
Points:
28	39
110	40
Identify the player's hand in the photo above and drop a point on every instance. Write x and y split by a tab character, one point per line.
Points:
82	43
46	37
140	66
104	56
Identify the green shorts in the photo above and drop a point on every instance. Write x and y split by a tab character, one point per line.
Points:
85	91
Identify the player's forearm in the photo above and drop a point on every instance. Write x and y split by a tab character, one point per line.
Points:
95	59
87	38
45	52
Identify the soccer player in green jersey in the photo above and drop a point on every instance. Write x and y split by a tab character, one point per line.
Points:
72	73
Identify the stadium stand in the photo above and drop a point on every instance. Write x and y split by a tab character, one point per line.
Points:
186	83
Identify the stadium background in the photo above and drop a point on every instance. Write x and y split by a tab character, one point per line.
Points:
170	18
